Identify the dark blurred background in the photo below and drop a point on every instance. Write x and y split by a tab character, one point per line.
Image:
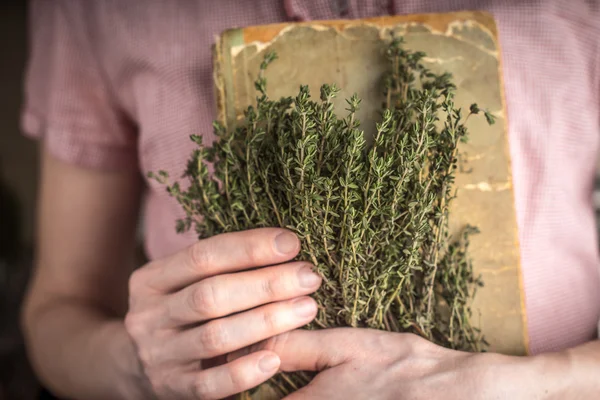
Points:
18	176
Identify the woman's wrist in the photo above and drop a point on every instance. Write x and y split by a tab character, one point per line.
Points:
569	374
130	382
541	377
551	374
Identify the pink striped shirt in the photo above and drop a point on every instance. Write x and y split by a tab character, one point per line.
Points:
122	84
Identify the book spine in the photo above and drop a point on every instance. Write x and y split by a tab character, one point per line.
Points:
223	75
218	81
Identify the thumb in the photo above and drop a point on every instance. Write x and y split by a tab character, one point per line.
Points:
303	350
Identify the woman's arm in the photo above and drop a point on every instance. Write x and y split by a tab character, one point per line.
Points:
188	309
578	371
72	318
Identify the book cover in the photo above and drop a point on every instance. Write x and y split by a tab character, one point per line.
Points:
349	53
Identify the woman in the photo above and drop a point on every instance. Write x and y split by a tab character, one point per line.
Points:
115	88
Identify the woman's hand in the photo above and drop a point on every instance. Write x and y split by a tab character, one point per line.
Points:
368	364
189	309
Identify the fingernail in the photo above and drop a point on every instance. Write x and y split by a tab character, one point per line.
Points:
286	242
308	278
304	307
268	363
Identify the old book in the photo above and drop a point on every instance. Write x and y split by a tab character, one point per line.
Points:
349	54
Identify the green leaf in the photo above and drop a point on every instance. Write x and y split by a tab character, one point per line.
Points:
490	118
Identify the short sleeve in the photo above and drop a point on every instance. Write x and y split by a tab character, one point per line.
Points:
68	101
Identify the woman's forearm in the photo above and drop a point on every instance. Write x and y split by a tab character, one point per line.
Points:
573	373
78	292
584	363
79	352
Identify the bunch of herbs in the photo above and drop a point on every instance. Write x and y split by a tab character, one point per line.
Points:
372	218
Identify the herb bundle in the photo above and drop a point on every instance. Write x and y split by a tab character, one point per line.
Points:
373	218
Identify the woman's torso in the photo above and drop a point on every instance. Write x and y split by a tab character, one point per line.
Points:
161	71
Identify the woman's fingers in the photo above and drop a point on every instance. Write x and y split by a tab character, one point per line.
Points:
224	380
221	336
225	253
223	295
316	350
208	282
